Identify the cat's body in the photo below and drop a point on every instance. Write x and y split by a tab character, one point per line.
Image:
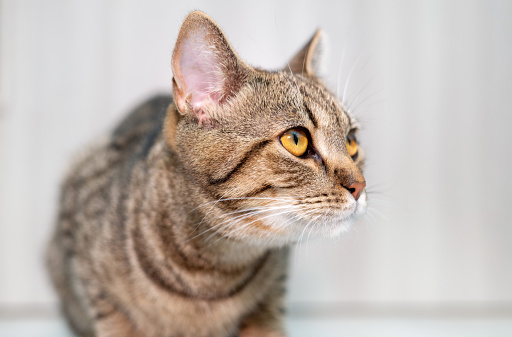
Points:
177	225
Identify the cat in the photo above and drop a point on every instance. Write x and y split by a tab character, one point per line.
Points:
178	223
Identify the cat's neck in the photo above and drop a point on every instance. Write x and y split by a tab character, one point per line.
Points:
178	204
233	253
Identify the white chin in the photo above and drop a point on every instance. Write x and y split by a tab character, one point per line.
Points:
343	225
332	224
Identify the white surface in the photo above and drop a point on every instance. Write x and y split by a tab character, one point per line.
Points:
438	145
397	327
390	327
34	328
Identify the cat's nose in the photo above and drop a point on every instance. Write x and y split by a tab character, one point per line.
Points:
356	188
351	178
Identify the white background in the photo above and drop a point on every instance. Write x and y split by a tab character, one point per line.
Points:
431	82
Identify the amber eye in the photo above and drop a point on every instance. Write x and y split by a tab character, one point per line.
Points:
295	141
352	145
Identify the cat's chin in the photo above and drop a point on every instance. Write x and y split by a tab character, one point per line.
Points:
337	226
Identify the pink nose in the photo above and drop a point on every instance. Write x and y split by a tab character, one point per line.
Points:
356	188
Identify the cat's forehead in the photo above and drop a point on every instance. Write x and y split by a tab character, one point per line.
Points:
325	107
315	102
275	102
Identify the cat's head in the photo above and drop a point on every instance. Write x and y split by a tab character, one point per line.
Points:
274	151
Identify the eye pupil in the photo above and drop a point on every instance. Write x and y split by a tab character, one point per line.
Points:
295	138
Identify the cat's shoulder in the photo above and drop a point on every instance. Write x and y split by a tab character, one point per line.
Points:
145	118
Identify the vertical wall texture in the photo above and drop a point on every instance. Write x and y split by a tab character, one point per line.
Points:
430	82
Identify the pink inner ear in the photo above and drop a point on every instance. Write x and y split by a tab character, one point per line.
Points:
201	70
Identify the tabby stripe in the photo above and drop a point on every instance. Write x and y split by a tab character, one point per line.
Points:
245	282
103	315
253	151
153	271
282	278
311	116
258	191
189	262
233	204
171	240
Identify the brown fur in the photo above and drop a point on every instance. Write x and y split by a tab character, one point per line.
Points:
159	232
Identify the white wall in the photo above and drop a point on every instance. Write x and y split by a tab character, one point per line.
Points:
431	83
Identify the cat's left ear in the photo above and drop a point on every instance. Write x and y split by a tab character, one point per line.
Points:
308	60
206	70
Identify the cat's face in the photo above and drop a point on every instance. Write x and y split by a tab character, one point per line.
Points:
274	151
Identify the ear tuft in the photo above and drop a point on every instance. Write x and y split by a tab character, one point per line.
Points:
206	69
308	60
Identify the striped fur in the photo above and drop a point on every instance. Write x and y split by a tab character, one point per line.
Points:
175	228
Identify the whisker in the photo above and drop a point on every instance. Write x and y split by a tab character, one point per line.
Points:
377	212
370	216
290	222
347	80
300	237
340	69
310	230
246	225
222	222
299	96
367	98
284	199
354	100
237	219
196	227
259	219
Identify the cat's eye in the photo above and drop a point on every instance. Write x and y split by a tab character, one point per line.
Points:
352	146
295	141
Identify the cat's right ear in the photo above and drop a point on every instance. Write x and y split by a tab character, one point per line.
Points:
308	60
206	70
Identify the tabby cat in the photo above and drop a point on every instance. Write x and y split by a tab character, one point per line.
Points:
178	223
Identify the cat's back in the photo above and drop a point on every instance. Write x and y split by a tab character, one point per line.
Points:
115	153
93	197
143	123
92	190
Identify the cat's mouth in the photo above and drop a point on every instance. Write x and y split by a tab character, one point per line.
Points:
333	220
316	217
336	207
